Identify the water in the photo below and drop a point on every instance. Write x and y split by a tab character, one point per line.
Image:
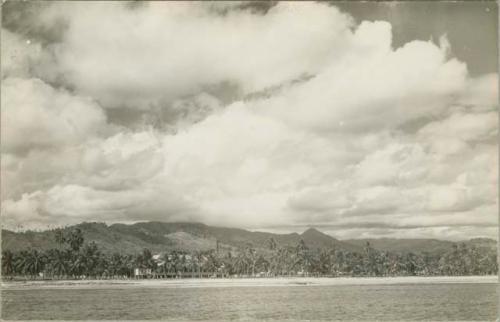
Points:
292	301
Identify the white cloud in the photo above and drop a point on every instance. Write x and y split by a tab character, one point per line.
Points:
463	126
71	204
481	93
35	115
120	162
396	164
373	141
165	50
373	87
19	55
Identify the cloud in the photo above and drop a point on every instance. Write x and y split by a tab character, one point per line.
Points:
162	51
37	116
373	86
19	55
468	127
397	164
71	204
120	162
247	118
481	93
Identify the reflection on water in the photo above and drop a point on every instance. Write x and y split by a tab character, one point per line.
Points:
331	302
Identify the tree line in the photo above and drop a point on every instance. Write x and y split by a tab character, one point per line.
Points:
75	259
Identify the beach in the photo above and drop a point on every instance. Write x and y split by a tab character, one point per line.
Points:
247	282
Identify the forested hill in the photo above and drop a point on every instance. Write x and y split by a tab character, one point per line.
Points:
161	236
432	246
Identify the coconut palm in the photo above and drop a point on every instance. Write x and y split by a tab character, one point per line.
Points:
213	264
58	261
272	244
324	263
92	255
145	259
262	264
75	239
115	264
303	257
78	265
7	263
252	258
60	237
32	262
241	263
128	265
228	263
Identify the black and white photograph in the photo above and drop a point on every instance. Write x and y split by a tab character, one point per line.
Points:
249	160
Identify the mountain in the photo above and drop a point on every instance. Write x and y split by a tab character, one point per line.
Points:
433	246
316	239
483	243
161	236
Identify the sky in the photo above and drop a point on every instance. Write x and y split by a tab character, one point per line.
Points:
364	120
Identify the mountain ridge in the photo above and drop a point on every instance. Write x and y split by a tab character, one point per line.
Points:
184	236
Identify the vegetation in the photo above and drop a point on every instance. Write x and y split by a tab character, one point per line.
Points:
75	259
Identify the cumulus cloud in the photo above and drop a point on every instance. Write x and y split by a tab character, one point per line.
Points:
19	55
162	51
72	204
466	127
373	87
481	93
120	162
35	115
247	118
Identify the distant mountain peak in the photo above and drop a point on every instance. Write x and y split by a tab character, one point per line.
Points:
313	231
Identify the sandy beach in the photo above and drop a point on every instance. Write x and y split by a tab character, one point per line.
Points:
247	282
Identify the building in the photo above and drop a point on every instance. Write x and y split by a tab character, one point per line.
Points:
143	272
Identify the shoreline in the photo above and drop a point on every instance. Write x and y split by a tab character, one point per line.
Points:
246	282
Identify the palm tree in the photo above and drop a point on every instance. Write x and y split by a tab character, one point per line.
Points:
7	263
32	262
283	261
213	263
58	261
338	263
177	264
324	263
115	264
411	264
252	257
369	260
167	264
78	265
262	264
241	264
145	259
75	239
274	263
59	237
128	265
92	255
102	265
272	244
303	258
